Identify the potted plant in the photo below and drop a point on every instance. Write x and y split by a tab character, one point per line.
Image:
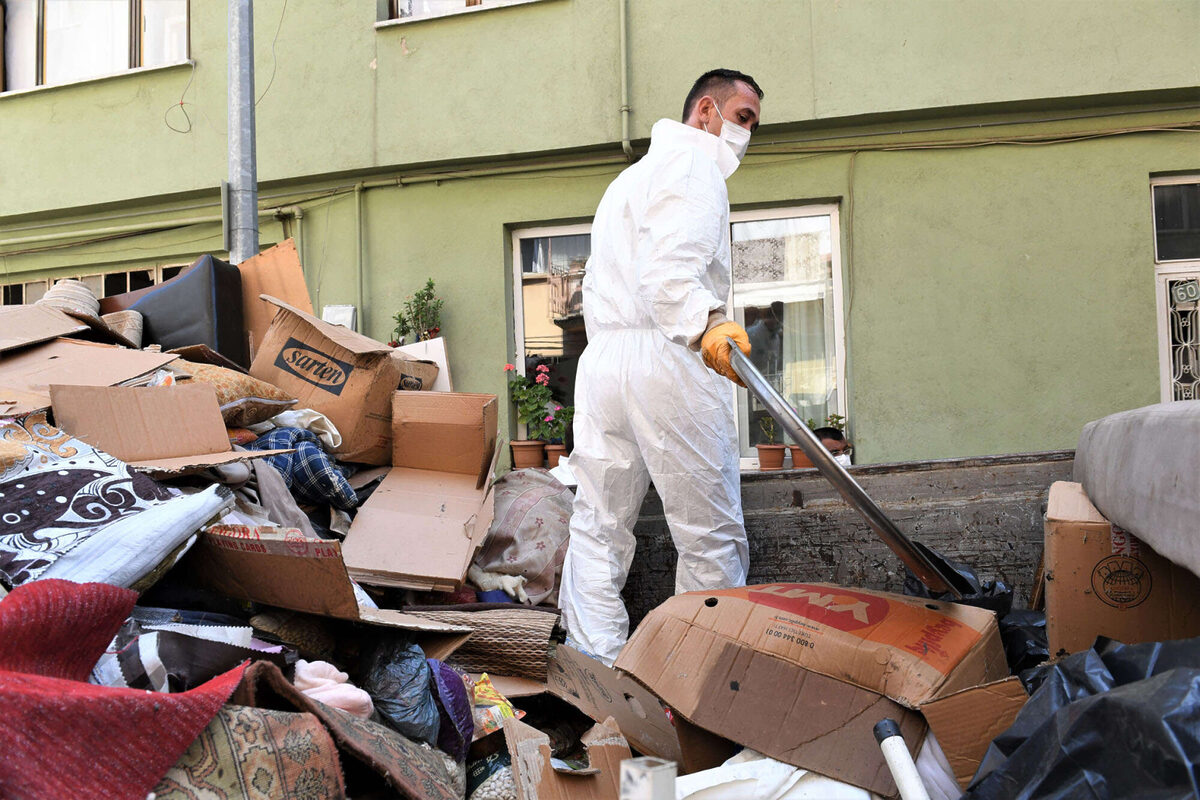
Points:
532	398
770	455
799	459
555	423
421	316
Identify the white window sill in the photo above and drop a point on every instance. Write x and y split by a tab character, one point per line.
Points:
123	73
392	23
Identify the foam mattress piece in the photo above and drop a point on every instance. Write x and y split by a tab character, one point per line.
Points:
1141	469
200	306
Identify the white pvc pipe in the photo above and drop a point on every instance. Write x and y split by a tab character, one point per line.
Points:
900	761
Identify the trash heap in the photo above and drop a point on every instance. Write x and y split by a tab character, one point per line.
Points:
249	553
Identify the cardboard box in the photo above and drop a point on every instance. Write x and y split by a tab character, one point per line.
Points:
536	778
1103	581
966	722
21	326
602	693
280	567
346	376
26	375
421	527
162	430
802	672
432	351
277	272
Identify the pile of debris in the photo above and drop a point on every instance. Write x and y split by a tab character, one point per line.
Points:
250	553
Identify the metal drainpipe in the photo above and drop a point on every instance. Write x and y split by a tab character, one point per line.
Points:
623	36
358	254
296	213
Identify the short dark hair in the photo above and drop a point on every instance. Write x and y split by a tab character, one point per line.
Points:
716	81
830	433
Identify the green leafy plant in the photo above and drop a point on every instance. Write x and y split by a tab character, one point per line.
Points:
532	398
421	316
766	424
556	422
831	421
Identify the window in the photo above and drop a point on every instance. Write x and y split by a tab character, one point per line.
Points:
1176	210
48	42
404	10
548	271
102	285
787	294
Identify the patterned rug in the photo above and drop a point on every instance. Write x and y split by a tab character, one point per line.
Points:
257	754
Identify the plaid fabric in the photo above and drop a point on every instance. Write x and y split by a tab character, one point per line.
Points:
309	473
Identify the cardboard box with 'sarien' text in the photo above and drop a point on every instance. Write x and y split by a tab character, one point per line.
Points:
802	672
346	376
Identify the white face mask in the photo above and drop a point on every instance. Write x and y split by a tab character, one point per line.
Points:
737	137
842	459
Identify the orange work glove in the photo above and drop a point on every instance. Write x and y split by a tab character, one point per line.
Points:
715	349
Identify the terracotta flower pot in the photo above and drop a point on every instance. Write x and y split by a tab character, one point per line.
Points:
553	453
528	453
799	460
770	456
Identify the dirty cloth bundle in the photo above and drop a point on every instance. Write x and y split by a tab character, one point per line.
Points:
312	476
64	737
68	509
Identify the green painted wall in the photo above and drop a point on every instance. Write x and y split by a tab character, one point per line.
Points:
545	76
999	296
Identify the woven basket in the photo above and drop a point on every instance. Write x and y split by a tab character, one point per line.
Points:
504	642
128	323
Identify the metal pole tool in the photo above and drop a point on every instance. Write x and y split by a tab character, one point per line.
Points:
930	574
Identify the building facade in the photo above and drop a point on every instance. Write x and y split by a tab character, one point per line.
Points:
967	227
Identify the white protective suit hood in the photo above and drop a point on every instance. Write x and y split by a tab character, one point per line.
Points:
646	406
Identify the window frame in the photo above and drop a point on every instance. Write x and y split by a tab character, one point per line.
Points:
1165	271
831	210
392	10
570	229
135	53
156	271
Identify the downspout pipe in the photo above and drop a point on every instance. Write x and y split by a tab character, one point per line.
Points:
623	37
358	254
243	167
296	213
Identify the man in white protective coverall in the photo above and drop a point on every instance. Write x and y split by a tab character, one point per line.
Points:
651	395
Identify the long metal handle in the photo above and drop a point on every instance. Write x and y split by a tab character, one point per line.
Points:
835	473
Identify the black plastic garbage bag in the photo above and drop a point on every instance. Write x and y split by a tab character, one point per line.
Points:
1112	722
397	678
1023	633
994	595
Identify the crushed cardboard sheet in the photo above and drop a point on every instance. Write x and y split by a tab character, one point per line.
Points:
162	430
26	375
966	722
21	326
536	778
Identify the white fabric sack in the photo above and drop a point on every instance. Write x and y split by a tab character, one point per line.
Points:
752	776
307	419
1141	469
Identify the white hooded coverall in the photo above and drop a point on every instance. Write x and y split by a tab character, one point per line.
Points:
646	405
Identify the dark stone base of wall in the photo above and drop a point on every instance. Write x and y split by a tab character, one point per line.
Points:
986	512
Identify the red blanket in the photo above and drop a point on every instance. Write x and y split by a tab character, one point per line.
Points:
64	737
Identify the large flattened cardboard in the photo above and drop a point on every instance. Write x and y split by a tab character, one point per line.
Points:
162	430
421	527
802	672
1103	581
281	567
26	375
277	272
537	779
346	376
21	326
966	722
